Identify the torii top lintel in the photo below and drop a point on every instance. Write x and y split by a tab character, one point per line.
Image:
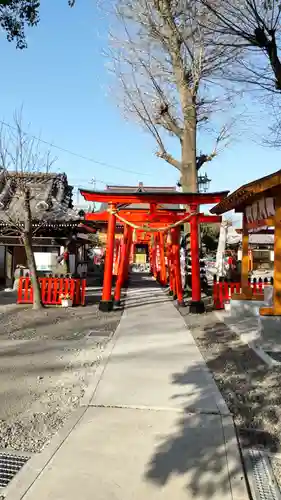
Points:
157	197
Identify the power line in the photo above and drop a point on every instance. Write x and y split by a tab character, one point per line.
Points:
80	184
86	158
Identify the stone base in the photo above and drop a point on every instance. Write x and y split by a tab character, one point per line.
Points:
240	308
197	307
270	331
117	303
181	303
106	305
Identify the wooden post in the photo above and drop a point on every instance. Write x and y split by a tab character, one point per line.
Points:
128	255
117	257
174	262
150	258
159	258
163	277
276	309
196	306
177	269
156	272
106	303
132	253
251	261
170	273
154	257
277	260
122	267
246	290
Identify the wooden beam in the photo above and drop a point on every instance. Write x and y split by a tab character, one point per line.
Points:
246	193
270	222
36	241
209	219
246	290
159	217
88	228
276	309
154	197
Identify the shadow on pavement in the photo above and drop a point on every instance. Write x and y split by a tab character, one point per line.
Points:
208	476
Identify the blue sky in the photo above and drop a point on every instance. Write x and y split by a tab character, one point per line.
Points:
61	82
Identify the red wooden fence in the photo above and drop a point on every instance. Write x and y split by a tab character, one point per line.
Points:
52	289
223	290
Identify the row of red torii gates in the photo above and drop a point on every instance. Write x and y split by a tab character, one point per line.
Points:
160	228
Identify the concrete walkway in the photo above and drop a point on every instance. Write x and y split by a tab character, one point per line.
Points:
155	426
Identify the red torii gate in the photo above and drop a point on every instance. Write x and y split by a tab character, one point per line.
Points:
157	220
160	220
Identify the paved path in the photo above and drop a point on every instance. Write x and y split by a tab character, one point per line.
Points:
156	426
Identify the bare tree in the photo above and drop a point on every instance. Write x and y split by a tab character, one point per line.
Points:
254	27
169	76
21	161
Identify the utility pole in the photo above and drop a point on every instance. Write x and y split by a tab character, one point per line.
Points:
94	183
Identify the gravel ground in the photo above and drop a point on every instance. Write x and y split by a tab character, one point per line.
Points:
47	360
54	323
250	389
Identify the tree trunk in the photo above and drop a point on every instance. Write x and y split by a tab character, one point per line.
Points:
188	158
27	241
188	169
188	162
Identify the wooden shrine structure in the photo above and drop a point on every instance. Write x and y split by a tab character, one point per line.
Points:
154	220
56	225
260	204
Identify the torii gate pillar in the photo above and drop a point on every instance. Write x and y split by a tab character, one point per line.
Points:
106	303
197	306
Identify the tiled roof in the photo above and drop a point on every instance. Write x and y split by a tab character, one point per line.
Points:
141	189
243	195
50	197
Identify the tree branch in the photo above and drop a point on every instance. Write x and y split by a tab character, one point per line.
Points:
202	159
169	159
252	22
166	120
166	64
222	138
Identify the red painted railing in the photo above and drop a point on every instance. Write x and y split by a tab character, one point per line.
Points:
52	289
223	290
